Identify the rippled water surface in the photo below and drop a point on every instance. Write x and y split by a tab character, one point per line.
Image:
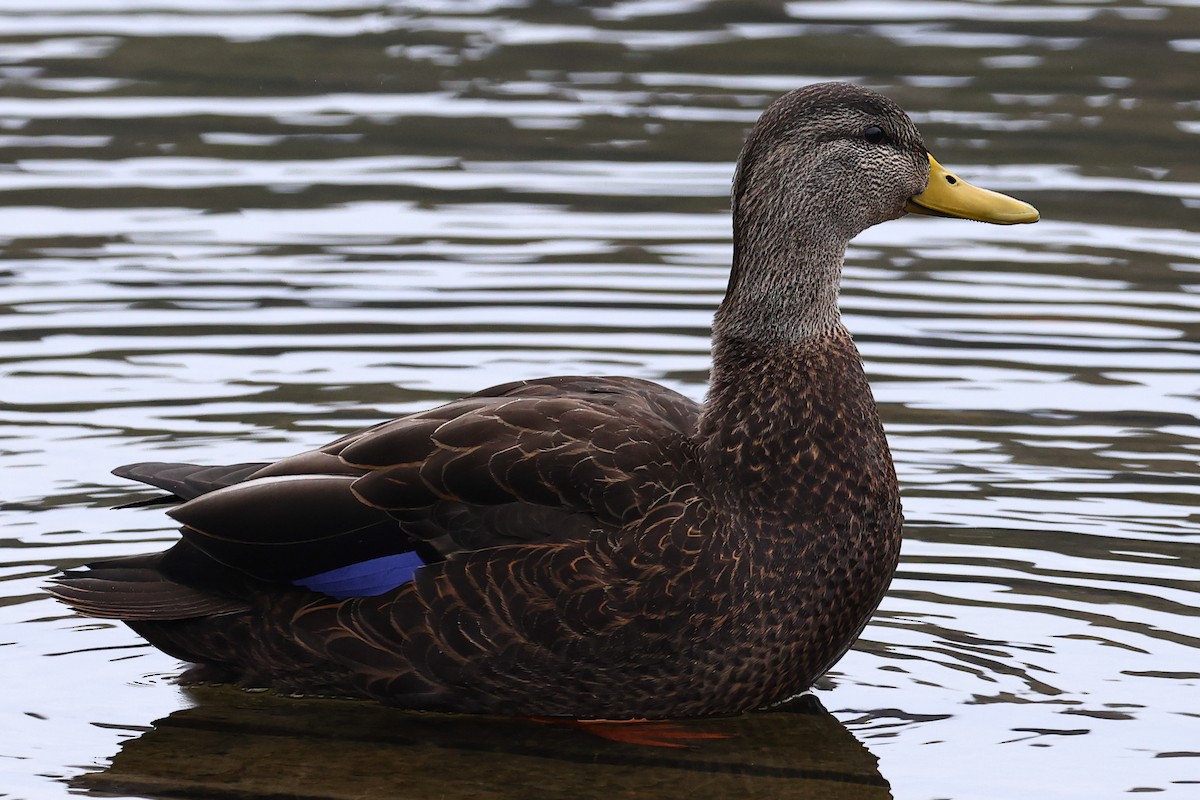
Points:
230	230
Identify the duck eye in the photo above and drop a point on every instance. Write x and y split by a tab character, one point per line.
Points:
874	134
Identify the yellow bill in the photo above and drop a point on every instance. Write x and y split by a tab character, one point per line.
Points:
947	195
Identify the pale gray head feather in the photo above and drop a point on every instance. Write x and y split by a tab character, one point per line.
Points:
807	182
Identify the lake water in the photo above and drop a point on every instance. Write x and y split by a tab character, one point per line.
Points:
230	231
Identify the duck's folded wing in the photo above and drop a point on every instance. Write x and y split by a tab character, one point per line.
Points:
289	528
530	462
593	458
185	481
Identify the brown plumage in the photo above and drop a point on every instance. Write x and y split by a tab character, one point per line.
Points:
588	547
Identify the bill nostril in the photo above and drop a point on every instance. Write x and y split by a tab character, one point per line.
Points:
950	179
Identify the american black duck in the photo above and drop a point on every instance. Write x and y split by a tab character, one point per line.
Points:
594	547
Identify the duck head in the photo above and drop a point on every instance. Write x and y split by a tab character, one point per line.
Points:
833	159
822	164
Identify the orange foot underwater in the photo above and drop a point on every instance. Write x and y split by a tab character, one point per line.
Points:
644	732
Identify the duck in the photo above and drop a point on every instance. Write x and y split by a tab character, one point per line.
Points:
574	546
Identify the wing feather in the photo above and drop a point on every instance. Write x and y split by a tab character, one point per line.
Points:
554	460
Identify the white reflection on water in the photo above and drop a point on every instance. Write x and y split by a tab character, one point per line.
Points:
235	27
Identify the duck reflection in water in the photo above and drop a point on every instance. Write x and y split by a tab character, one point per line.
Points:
585	547
238	744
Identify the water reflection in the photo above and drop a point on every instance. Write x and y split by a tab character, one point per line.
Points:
234	744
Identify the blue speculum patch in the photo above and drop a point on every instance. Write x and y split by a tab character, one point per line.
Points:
366	578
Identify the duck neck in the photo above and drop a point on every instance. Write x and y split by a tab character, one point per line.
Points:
789	404
783	289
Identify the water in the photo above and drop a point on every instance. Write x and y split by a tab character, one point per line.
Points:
230	231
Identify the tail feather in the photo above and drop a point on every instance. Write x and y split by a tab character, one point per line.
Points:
187	481
136	593
218	626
